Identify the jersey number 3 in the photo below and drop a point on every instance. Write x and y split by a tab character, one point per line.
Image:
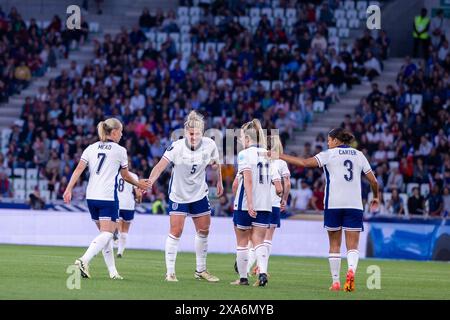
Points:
349	165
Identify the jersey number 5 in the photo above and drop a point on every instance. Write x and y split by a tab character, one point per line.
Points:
103	157
349	165
194	168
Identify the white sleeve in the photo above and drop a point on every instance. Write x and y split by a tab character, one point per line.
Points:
323	158
85	156
170	154
123	158
243	162
274	172
215	154
285	170
365	164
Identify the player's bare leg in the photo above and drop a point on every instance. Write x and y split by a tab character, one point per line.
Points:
351	241
202	224
171	248
334	258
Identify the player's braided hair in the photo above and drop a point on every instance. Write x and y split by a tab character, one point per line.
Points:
342	135
104	128
254	131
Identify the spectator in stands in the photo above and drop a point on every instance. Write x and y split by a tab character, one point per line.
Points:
372	67
395	180
318	196
437	28
416	203
22	75
435	202
159	205
146	21
302	197
446	198
319	42
35	201
395	205
421	35
5	190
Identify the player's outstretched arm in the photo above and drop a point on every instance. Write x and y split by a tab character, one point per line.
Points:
301	162
142	183
67	196
157	170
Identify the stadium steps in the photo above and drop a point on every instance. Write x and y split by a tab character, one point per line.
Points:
335	115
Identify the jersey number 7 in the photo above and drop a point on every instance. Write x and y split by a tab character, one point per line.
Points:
103	157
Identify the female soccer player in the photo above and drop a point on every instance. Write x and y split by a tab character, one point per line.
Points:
281	172
253	204
343	166
128	196
188	192
106	159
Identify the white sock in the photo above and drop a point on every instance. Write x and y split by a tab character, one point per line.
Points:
108	255
122	242
251	259
335	265
352	259
242	261
171	253
262	257
268	244
201	251
96	246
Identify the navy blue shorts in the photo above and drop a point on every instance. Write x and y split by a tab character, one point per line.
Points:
275	217
126	215
103	209
242	219
346	219
194	209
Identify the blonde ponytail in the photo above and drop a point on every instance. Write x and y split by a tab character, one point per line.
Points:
275	145
254	131
104	128
194	121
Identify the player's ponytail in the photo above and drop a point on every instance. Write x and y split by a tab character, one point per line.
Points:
104	128
194	121
254	131
342	135
276	147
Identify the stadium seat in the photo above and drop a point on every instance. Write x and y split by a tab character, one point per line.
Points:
220	46
31	184
283	46
182	11
376	3
18	172
332	32
276	85
344	33
150	36
209	45
291	13
194	20
393	165
186	37
19	184
161	37
349	4
351	14
254	12
278	13
45	24
45	194
354	24
254	21
175	36
424	189
410	187
184	29
404	197
318	106
341	23
416	102
194	12
244	21
290	22
183	21
32	173
265	84
339	14
269	46
19	195
186	47
266	11
333	42
43	185
361	5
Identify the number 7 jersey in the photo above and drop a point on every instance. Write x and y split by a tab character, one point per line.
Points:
343	167
104	159
255	160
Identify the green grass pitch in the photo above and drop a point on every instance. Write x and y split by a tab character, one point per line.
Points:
32	272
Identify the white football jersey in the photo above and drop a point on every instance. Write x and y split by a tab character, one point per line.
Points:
104	159
188	181
254	159
125	193
280	170
343	167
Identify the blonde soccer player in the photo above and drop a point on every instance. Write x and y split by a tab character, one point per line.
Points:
188	192
106	160
128	196
253	203
343	166
281	173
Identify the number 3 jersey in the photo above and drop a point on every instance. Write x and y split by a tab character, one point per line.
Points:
343	167
188	181
104	159
255	159
125	193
